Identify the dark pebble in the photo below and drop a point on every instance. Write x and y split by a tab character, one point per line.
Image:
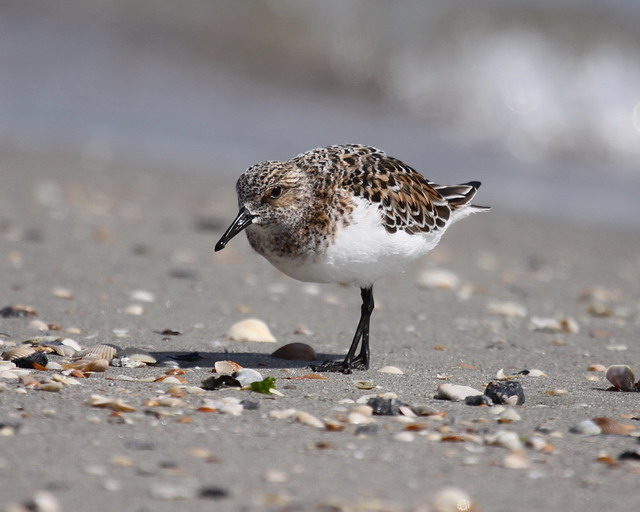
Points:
140	445
367	430
629	455
224	381
250	405
500	392
29	361
385	407
17	312
296	352
478	400
213	493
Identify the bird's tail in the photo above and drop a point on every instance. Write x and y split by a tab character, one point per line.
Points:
460	196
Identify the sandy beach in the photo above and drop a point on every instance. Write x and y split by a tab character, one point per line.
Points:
79	237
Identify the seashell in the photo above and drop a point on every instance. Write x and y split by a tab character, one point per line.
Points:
610	426
246	376
621	376
8	374
404	436
596	368
508	309
97	365
506	439
516	460
62	293
169	401
39	325
554	325
226	367
17	353
437	278
60	349
356	418
391	369
586	428
308	419
137	354
51	386
455	392
295	352
101	351
251	329
364	384
452	499
70	342
282	414
134	309
143	296
365	410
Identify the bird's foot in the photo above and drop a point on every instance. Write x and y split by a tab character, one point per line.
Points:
345	367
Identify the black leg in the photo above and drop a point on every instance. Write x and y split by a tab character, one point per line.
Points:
361	337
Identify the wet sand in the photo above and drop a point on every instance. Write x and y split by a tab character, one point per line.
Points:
104	230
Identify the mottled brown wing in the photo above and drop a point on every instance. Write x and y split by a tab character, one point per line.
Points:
408	201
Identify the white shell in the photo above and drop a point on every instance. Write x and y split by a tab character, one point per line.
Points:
621	376
251	329
246	376
391	369
437	278
143	296
586	428
101	351
455	392
308	419
226	367
508	309
451	499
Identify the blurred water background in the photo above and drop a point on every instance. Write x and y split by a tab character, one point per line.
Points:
540	99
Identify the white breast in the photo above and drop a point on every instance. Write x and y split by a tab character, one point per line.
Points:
362	252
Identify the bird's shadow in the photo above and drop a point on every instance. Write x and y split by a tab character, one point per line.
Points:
245	359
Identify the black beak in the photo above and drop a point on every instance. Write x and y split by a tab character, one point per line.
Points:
243	219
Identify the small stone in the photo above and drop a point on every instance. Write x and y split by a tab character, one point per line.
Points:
510	392
404	436
296	352
251	329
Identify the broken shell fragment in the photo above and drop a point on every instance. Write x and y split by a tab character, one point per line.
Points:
136	354
455	392
452	499
60	349
308	419
251	329
246	376
101	351
226	367
295	352
621	376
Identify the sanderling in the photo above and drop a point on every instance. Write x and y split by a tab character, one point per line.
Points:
345	214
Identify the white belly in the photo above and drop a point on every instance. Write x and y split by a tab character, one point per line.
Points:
361	253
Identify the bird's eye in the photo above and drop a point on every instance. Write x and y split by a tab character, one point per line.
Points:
276	192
